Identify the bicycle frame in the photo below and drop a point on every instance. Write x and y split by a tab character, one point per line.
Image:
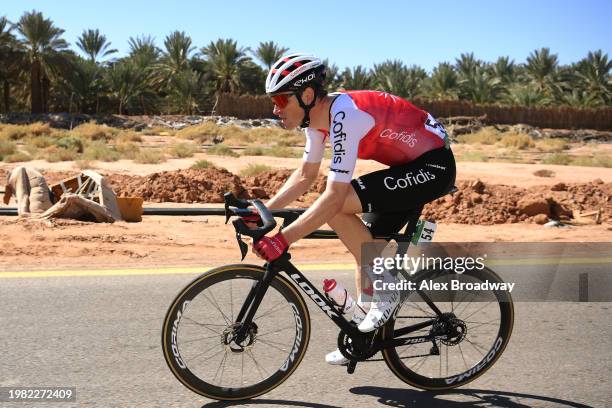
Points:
283	264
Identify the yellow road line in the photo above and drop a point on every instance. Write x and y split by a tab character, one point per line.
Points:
304	267
150	271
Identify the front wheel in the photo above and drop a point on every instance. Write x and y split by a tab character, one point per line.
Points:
468	330
199	342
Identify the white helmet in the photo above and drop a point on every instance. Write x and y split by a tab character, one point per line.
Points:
295	72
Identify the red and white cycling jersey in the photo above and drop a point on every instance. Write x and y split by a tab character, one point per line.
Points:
373	125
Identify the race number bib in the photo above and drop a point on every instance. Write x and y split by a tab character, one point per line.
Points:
436	128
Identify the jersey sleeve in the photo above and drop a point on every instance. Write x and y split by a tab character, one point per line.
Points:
315	146
348	125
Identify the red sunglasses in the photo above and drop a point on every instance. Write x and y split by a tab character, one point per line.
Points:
281	100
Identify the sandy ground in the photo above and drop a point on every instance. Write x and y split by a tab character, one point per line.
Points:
174	241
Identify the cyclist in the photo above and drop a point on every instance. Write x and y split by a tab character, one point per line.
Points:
359	124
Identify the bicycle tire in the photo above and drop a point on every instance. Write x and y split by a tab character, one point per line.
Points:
408	375
184	302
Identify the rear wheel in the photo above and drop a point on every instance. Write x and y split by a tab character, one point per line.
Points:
199	334
471	332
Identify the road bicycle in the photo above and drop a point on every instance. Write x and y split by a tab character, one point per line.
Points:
239	331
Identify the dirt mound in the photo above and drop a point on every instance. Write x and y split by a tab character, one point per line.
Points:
475	202
266	184
480	203
184	186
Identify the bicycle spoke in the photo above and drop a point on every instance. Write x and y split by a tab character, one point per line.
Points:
478	325
201	325
463	357
419	363
198	339
270	310
257	365
467	305
220	364
216	305
273	346
276	331
231	299
476	347
208	357
472	314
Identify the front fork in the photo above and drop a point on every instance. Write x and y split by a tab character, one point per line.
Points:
253	300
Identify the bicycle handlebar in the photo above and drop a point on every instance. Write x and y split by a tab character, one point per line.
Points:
235	206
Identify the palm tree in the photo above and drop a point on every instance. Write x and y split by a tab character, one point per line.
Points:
225	60
130	86
175	57
92	43
526	95
357	78
389	76
443	83
467	64
593	76
185	92
11	58
44	47
541	70
144	46
269	52
504	69
84	83
480	86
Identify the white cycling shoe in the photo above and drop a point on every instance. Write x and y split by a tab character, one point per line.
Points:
336	357
382	307
380	312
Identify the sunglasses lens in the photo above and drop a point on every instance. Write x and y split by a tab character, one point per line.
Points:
280	100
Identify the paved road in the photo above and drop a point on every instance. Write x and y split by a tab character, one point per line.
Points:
102	335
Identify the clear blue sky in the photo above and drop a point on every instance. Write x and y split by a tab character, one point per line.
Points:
350	33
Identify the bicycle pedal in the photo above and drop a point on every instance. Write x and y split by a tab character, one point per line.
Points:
350	368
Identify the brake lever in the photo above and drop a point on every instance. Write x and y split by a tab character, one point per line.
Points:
244	248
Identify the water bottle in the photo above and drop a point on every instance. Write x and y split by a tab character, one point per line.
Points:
338	295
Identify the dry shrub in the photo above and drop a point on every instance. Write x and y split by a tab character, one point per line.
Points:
17	157
203	132
544	173
254	169
84	165
54	154
253	151
93	131
127	150
552	145
278	135
473	156
236	135
486	135
517	140
17	132
98	150
40	142
158	131
128	136
6	148
222	150
149	156
282	151
557	158
182	150
203	164
599	160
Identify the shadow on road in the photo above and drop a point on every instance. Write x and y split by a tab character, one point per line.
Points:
409	398
281	403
